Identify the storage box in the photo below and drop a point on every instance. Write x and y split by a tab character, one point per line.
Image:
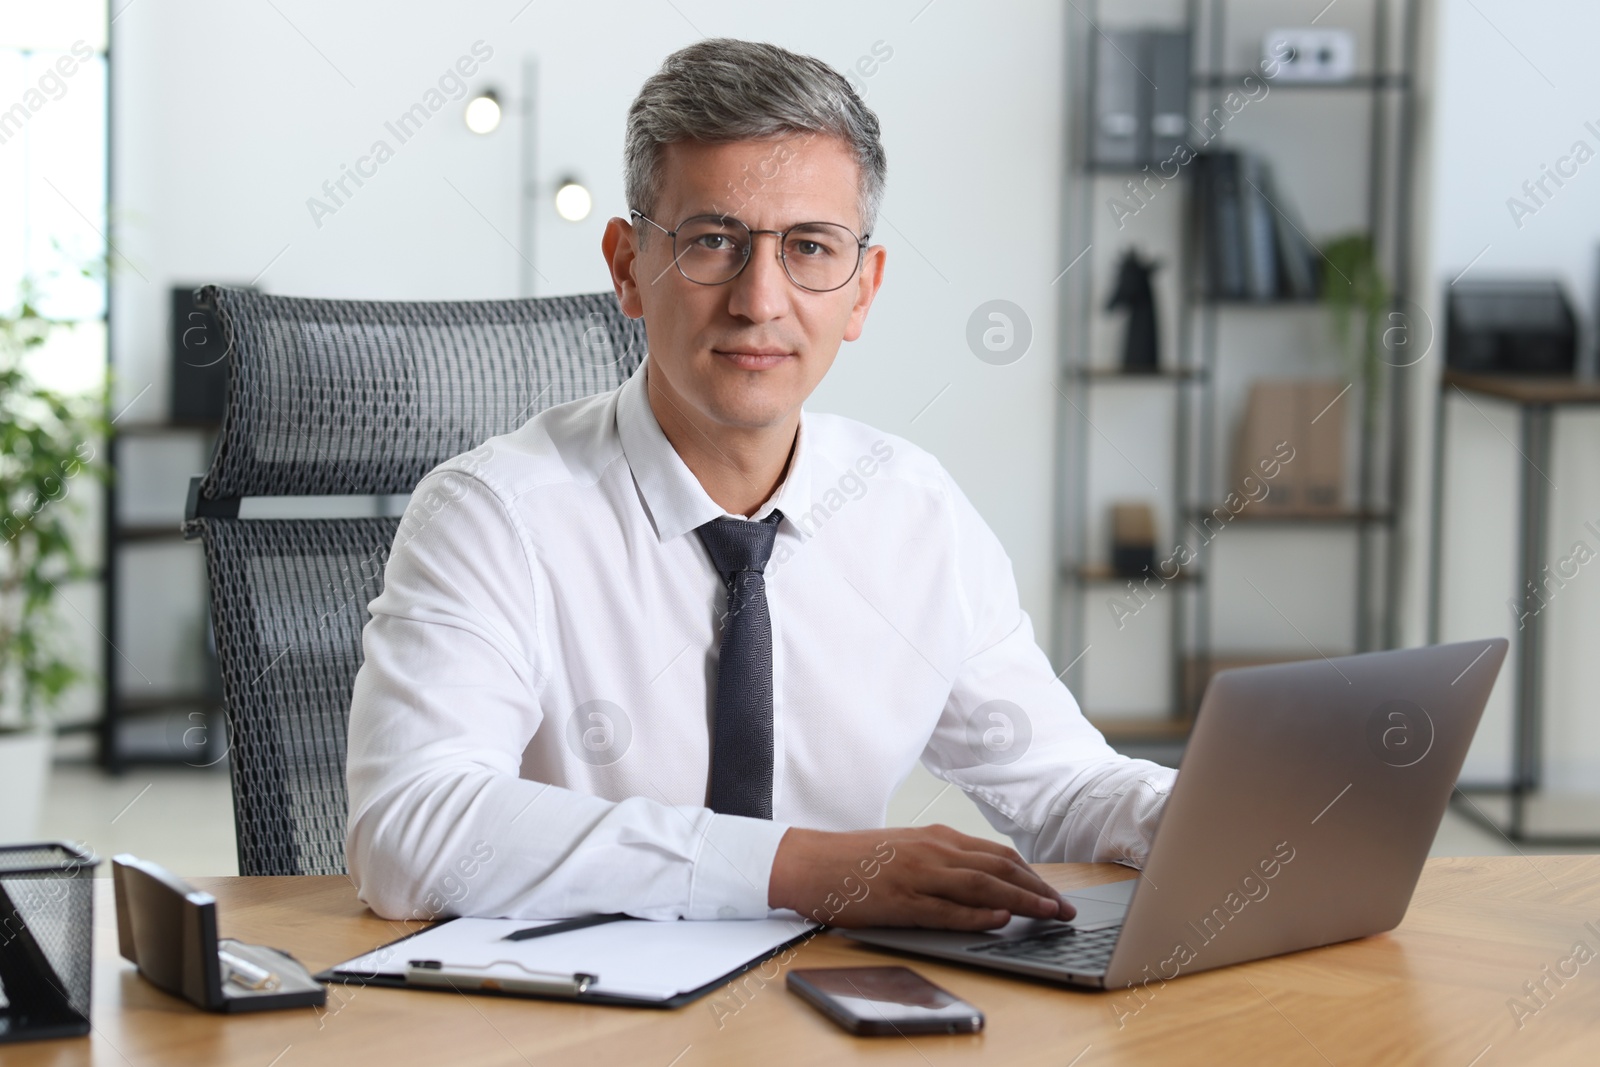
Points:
1291	441
46	940
1133	539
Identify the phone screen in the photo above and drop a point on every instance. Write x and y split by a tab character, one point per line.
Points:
884	1000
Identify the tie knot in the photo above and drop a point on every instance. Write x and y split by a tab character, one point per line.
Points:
739	544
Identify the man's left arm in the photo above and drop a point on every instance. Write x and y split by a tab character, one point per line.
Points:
1014	739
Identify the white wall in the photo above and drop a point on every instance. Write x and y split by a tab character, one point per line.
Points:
1514	85
229	118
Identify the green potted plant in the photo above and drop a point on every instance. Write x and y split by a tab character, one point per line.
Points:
1358	295
48	442
1359	298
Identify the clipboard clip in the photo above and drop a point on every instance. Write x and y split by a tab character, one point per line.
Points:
479	976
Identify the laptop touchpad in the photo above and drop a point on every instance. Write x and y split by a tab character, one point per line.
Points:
1101	903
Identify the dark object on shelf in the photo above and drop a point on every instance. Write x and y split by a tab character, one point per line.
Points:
1250	242
1511	327
1140	107
199	359
1133	540
47	949
1255	216
1219	230
169	930
1141	345
1299	261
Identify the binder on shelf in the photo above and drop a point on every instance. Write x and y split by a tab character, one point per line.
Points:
1169	96
1251	244
1255	213
1118	129
1226	229
1298	258
615	960
1139	92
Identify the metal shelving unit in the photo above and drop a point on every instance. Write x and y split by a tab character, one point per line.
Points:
118	707
1193	645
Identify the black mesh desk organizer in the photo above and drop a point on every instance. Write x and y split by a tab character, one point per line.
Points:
350	398
46	941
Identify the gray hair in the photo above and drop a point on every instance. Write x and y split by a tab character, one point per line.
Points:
722	90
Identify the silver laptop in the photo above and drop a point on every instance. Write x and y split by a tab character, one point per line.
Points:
1305	805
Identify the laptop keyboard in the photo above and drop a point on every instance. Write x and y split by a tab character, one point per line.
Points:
1082	951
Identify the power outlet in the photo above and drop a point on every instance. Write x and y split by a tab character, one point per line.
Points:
1309	54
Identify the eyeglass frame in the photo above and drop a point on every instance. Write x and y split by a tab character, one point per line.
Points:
861	247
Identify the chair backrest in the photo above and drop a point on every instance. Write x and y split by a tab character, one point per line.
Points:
349	398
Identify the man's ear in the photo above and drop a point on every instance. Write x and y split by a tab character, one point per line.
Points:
617	245
868	282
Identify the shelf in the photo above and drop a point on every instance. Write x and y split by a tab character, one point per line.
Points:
1223	659
1263	517
1299	303
1097	574
1150	726
1359	83
1525	388
1196	679
1117	374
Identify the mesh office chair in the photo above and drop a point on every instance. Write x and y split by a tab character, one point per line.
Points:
349	398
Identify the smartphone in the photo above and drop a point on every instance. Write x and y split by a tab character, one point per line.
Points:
884	1000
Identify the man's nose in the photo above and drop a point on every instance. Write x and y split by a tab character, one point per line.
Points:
761	291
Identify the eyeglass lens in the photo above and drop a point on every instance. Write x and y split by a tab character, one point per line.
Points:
711	249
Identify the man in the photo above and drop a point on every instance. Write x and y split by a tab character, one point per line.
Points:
669	650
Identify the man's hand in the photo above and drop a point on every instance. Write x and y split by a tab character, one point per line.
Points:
923	876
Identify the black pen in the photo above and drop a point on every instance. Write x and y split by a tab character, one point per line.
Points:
562	926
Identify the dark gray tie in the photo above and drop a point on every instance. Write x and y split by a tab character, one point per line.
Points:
741	729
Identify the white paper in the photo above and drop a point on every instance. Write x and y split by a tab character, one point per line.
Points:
630	957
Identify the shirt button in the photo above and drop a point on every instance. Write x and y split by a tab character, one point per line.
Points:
727	911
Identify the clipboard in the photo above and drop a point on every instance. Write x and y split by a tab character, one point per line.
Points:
631	962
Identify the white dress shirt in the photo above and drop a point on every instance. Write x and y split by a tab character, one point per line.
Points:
530	729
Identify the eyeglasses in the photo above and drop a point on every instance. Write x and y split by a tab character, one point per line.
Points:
713	249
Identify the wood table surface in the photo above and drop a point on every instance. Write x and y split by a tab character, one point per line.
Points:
1440	989
1526	388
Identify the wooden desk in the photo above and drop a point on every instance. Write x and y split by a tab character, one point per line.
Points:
1433	992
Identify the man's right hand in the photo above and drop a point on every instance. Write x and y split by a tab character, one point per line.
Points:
929	876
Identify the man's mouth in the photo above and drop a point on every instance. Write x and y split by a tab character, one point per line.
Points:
754	357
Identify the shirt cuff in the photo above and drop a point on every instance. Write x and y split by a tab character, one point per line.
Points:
734	868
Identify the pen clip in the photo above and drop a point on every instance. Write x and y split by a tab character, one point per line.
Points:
476	976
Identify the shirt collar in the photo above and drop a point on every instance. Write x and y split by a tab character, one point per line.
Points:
674	497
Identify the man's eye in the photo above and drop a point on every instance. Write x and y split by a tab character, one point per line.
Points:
809	248
714	242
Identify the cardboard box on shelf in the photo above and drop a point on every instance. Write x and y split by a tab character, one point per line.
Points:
1133	539
1302	413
